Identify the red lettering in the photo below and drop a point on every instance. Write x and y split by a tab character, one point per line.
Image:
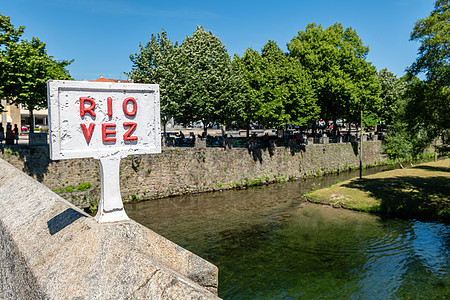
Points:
105	132
110	107
87	131
124	106
126	136
90	109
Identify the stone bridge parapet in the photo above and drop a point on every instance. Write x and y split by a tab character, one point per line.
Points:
50	249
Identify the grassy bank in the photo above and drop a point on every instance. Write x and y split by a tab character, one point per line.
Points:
420	192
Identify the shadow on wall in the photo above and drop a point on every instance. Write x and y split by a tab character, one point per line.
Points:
36	158
256	149
355	147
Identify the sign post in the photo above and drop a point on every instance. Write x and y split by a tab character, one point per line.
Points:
105	121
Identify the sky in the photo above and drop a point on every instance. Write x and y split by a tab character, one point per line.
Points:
100	35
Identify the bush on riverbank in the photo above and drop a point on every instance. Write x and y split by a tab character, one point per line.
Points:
420	192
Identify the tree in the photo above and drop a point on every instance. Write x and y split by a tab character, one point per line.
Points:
29	68
158	63
278	89
335	58
25	69
250	66
392	96
406	139
434	52
8	35
433	60
211	89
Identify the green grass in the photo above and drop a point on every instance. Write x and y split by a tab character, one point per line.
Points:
421	192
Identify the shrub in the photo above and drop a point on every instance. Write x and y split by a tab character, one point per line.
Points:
84	186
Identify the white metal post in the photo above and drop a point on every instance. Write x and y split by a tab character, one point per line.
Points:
110	208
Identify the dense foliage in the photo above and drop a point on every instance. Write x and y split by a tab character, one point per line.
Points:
211	90
25	68
197	79
323	76
157	63
429	108
391	96
418	111
343	81
279	90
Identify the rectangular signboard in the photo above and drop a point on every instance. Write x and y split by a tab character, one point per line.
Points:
98	119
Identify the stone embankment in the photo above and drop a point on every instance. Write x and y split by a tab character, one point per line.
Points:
178	171
50	249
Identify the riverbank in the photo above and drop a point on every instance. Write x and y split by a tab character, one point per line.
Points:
421	192
185	170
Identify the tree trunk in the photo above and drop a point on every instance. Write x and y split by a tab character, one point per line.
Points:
31	120
164	121
205	128
223	129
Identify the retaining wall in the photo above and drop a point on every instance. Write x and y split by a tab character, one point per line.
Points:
184	170
50	249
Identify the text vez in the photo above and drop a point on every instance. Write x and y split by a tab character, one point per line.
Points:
108	132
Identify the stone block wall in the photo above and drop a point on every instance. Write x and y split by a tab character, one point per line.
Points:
185	170
50	249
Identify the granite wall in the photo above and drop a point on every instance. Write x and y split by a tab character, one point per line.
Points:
50	249
185	170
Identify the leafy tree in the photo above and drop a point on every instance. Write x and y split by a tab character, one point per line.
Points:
158	63
211	89
392	95
398	144
8	35
406	139
335	58
430	109
434	53
25	68
251	68
278	89
28	69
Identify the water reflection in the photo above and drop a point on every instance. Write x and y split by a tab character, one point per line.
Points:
269	244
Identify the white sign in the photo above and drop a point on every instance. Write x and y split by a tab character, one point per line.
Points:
94	119
106	121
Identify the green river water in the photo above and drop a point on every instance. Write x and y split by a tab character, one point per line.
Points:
269	244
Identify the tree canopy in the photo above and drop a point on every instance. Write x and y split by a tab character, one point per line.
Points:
157	63
279	90
429	108
392	96
324	75
211	90
197	79
8	34
26	67
433	33
335	58
29	68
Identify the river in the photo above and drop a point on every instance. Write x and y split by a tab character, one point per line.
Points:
269	244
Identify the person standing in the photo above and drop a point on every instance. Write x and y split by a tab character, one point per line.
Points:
9	135
2	134
16	133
